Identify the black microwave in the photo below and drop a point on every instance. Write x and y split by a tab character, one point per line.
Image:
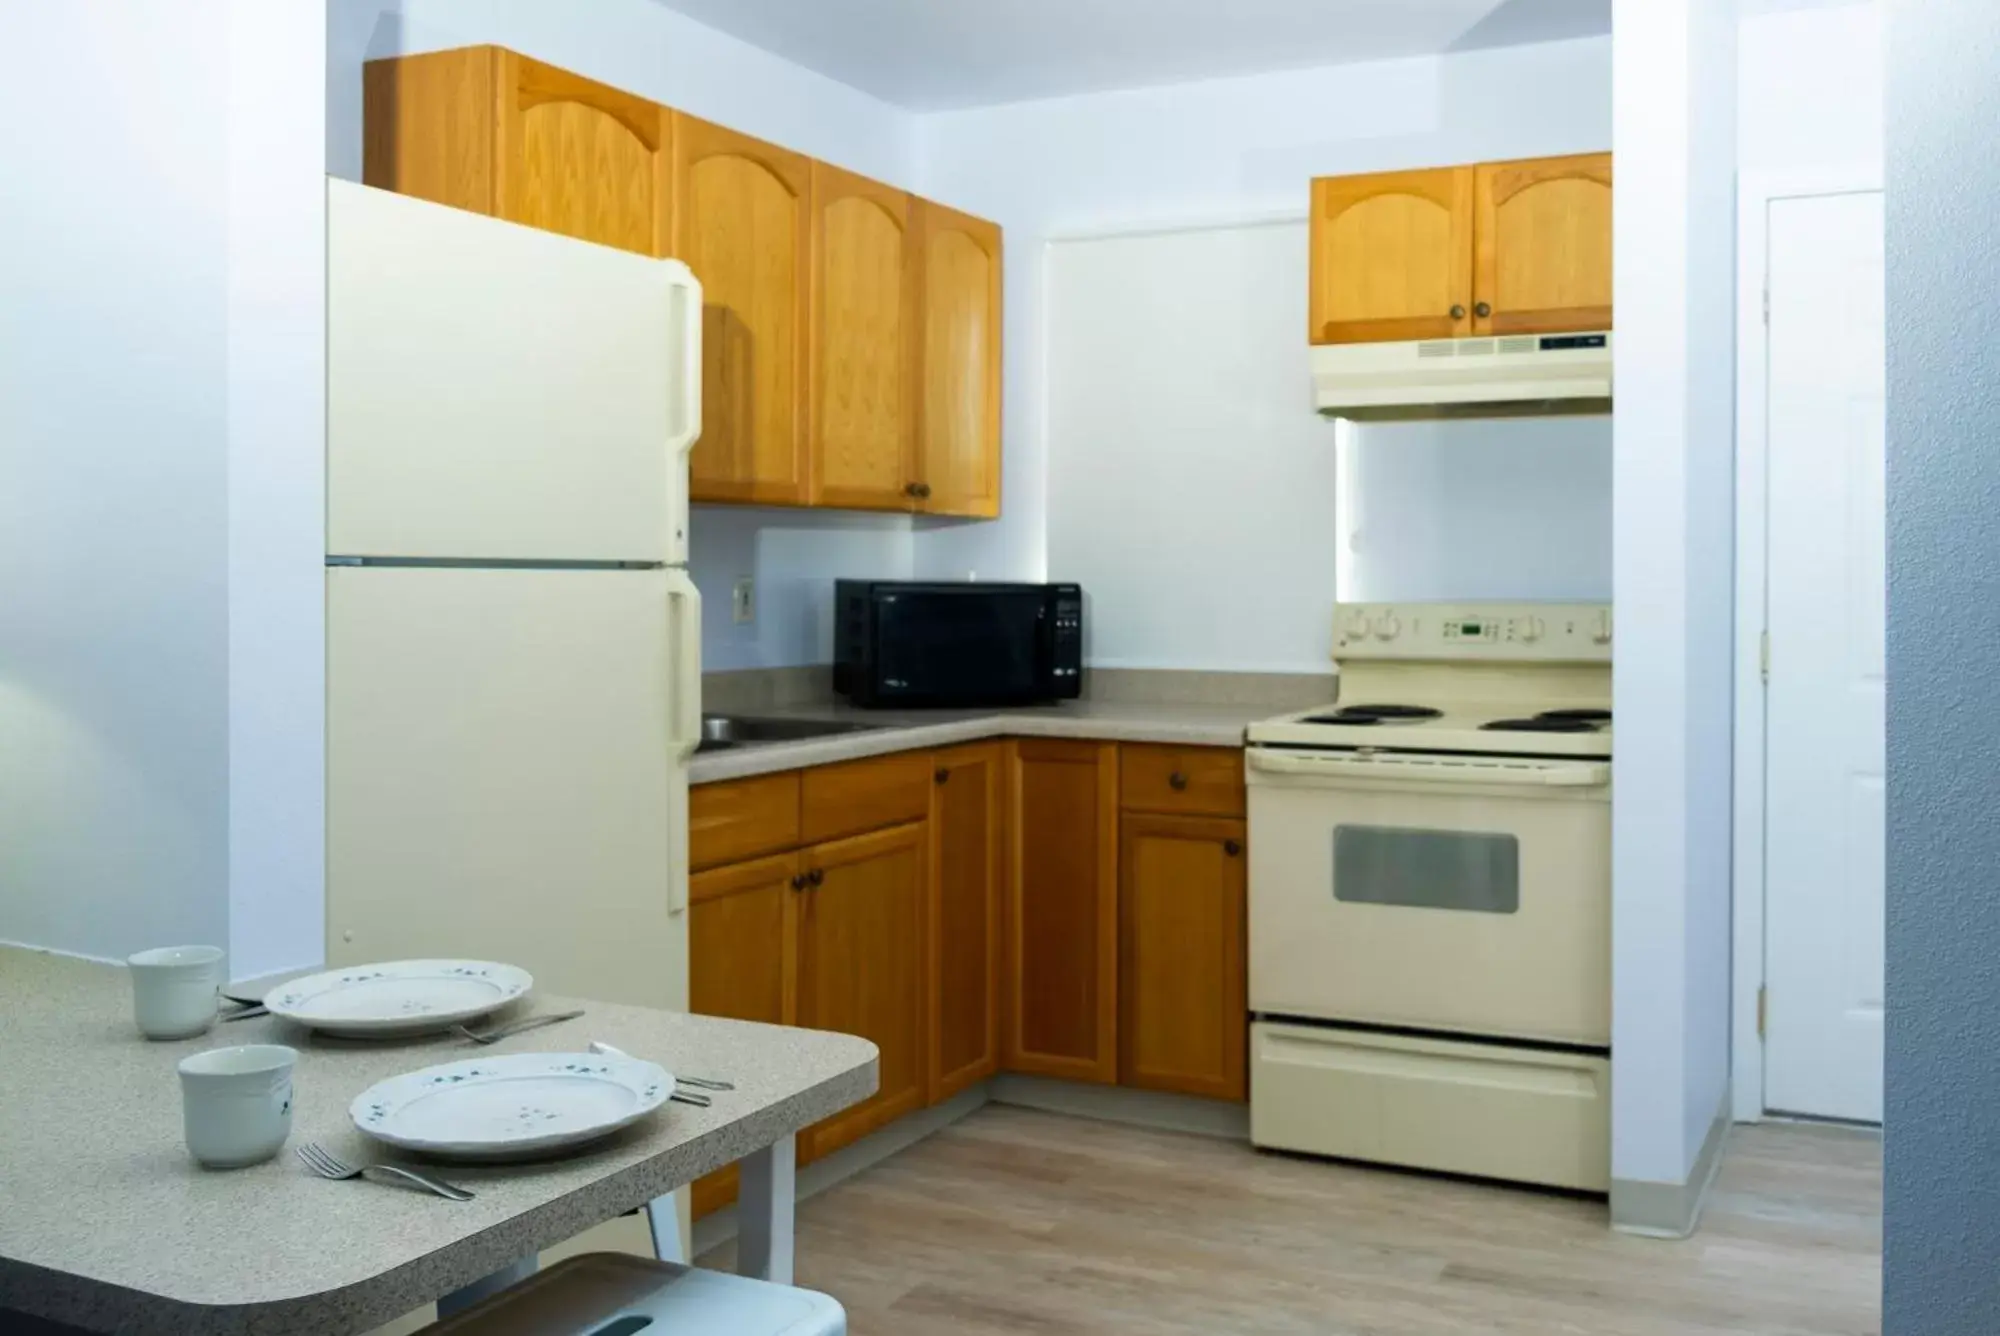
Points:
898	642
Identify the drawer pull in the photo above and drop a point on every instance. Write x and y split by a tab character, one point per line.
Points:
1232	847
1177	781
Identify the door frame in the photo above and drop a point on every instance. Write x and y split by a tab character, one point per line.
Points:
1755	193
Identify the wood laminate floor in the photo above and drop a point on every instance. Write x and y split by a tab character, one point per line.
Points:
1016	1221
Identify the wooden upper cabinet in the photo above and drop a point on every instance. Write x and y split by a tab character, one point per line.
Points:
1184	1015
1392	256
487	129
863	311
966	825
1543	259
958	360
861	969
744	226
1061	995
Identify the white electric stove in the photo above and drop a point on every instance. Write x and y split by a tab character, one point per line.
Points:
1430	917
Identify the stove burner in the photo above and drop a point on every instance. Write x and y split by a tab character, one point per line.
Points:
1588	715
1541	724
1377	714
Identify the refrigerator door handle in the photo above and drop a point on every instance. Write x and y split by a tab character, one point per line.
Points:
687	293
685	618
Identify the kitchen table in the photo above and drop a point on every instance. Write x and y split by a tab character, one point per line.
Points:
107	1225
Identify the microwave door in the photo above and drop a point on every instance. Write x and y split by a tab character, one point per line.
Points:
950	647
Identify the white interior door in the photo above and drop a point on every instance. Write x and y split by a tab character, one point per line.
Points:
1825	610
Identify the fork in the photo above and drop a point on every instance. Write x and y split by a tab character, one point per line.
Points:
698	1082
326	1164
499	1032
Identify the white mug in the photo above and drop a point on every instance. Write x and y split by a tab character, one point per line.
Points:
176	990
236	1103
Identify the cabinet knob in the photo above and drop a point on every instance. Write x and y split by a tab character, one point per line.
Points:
1457	312
816	877
799	882
1177	781
941	775
923	491
1482	310
910	489
1232	847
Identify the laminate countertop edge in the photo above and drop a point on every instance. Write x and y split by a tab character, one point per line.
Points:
1192	726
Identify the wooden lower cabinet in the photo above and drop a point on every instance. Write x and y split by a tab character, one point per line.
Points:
1062	911
742	934
862	971
1183	1014
966	856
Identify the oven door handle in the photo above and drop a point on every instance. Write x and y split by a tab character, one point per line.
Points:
1437	770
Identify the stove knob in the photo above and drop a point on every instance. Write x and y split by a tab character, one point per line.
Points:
1530	629
1387	627
1357	626
1600	630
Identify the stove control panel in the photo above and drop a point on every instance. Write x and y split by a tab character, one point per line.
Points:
1525	632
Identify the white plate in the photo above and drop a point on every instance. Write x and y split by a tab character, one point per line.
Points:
515	1106
400	997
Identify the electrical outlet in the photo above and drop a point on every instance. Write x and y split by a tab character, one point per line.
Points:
743	600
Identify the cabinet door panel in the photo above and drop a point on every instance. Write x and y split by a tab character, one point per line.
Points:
1062	911
583	158
863	301
741	938
958	373
744	225
1543	261
1392	256
862	969
1184	1016
966	852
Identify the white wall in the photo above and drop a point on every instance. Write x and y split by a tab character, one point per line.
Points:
113	476
1673	483
1226	150
276	286
1189	479
794	558
1516	510
1810	88
651	50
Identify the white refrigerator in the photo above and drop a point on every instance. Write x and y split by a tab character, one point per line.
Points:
513	643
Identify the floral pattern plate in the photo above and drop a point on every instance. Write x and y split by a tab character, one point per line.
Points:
399	997
513	1107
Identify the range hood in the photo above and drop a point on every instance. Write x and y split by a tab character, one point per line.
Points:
1505	376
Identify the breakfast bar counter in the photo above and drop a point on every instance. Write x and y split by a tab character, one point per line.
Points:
106	1223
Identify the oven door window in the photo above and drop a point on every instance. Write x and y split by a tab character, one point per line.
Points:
1458	870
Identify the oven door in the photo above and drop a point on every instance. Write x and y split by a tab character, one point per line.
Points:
1465	894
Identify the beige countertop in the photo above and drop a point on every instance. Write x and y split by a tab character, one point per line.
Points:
106	1224
1210	725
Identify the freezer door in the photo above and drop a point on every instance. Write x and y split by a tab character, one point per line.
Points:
496	391
506	772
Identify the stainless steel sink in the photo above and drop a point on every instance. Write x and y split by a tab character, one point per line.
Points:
721	732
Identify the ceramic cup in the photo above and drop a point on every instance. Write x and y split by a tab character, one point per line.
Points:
236	1103
175	990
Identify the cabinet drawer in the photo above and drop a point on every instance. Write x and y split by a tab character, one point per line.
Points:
1201	781
865	795
742	819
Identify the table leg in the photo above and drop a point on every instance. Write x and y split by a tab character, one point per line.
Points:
664	1215
765	1202
459	1300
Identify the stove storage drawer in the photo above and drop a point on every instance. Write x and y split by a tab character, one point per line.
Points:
1518	1114
1181	781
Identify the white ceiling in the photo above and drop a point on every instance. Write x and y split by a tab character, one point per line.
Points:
934	54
